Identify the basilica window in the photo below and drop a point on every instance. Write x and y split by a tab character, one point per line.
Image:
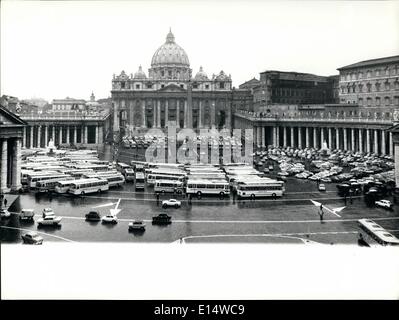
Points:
182	86
195	86
396	101
369	87
137	86
378	101
368	73
387	86
387	101
369	100
377	72
221	85
386	71
122	85
169	73
207	86
360	101
377	86
162	86
149	86
360	75
162	73
396	85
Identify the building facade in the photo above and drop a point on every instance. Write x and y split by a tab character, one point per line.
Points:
11	133
170	94
68	104
371	83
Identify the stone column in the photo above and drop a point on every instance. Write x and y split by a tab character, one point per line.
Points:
383	146
154	113
85	135
16	166
60	136
75	130
307	137
299	137
100	135
200	113
143	113
292	142
285	136
177	113
116	115
213	114
337	146
46	136
39	136
53	134
315	137
31	137
345	140
375	141
353	145
259	140
4	165
277	136
330	138
96	134
185	114
263	137
391	151
68	133
274	137
159	114
321	137
166	112
368	140
360	140
24	138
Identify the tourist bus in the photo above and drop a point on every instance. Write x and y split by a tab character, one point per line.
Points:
207	187
152	177
77	173
129	174
139	180
49	185
166	172
115	180
161	165
85	186
375	235
121	167
256	188
207	175
63	186
95	167
34	179
163	186
141	164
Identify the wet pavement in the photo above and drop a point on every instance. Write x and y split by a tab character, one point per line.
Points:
291	219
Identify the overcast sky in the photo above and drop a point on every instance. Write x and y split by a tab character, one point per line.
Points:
58	49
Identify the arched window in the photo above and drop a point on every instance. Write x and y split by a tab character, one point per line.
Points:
378	101
368	73
387	71
387	85
377	72
360	76
377	86
387	101
368	87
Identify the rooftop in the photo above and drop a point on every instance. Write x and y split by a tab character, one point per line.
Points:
372	62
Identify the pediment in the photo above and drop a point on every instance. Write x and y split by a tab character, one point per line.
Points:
172	88
9	118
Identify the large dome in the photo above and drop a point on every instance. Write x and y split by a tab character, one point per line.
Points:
170	54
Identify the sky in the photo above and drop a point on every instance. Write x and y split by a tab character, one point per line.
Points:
55	49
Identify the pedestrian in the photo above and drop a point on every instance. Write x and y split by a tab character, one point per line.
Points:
5	202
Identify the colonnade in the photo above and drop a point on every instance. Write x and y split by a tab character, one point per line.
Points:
366	140
38	135
157	113
10	164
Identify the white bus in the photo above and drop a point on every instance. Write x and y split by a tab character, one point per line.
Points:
373	234
256	188
63	186
115	180
49	185
85	186
121	167
34	179
139	180
152	178
207	187
129	175
163	186
166	172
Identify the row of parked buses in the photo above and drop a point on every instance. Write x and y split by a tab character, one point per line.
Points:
200	179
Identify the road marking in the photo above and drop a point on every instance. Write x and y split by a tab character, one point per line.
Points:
30	230
270	235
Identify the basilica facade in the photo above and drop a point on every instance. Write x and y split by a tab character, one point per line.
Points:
170	95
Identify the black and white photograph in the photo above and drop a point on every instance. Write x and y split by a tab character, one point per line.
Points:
215	131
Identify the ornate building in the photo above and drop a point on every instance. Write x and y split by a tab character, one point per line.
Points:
170	94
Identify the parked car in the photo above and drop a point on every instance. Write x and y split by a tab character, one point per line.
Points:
93	216
171	203
4	213
384	204
109	218
162	218
322	187
137	225
32	238
27	214
49	220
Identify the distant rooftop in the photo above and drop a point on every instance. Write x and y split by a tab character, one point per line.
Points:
371	62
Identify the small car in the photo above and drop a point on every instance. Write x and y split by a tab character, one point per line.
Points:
27	214
4	213
32	238
322	187
136	225
51	220
93	216
171	203
109	218
162	218
47	212
384	204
